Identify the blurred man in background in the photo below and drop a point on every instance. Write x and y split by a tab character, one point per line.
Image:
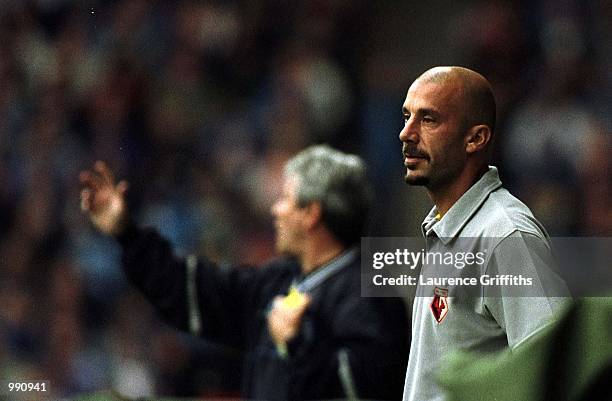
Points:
301	324
449	115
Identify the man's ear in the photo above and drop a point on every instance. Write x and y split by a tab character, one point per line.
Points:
478	138
313	214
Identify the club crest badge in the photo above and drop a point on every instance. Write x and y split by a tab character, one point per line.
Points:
439	304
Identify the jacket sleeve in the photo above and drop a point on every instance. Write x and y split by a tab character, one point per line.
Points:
191	295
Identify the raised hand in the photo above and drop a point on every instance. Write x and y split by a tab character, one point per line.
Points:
103	200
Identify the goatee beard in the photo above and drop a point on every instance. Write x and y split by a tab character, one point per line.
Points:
416	181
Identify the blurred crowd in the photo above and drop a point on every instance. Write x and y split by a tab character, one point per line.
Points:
199	103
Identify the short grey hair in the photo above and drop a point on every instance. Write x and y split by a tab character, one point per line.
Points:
338	181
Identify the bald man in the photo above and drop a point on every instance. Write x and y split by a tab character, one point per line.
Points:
512	291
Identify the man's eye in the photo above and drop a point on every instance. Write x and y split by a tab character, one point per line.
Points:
406	118
428	119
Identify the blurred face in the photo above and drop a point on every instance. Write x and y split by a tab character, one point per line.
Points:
432	136
289	220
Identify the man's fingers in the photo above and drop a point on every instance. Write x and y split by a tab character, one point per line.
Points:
105	172
304	305
85	199
89	179
100	177
290	314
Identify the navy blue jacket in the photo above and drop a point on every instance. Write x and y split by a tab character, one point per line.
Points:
232	304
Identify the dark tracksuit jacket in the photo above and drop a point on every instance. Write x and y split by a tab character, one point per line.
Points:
229	306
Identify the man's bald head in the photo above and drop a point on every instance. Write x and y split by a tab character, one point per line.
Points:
477	94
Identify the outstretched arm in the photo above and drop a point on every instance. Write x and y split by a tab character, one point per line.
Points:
177	289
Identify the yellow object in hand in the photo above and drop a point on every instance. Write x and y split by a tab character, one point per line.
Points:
294	298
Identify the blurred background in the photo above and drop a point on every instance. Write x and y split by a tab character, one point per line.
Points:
199	103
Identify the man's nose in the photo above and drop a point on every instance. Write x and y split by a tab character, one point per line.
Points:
409	132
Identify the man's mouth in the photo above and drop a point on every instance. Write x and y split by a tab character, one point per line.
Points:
411	161
411	158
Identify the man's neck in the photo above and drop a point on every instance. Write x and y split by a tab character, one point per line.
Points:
320	251
445	197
